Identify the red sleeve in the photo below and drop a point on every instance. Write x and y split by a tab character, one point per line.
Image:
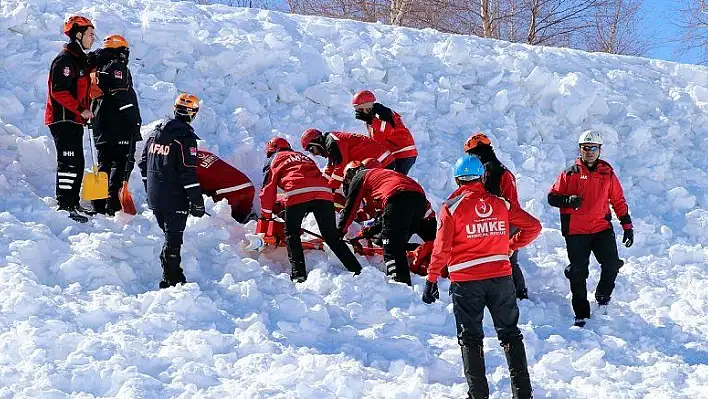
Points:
529	227
269	191
619	204
380	129
333	174
561	185
443	244
508	188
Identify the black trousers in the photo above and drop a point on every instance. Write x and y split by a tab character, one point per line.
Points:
404	165
324	215
468	302
172	224
604	247
401	218
68	140
516	272
113	159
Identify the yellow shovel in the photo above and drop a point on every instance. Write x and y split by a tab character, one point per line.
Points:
95	183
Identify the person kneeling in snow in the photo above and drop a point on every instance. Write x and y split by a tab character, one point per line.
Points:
220	180
169	170
584	193
404	204
305	191
473	243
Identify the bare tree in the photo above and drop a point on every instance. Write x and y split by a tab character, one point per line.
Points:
693	22
264	4
615	29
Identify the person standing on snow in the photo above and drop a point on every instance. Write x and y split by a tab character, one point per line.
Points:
220	180
67	111
169	170
473	243
584	193
305	190
340	149
116	125
386	127
404	206
499	180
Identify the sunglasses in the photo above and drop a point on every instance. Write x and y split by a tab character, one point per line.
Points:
592	148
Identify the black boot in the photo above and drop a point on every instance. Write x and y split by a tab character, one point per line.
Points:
99	206
518	369
475	372
74	214
298	273
172	273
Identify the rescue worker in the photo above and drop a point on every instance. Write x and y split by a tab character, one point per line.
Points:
340	149
220	180
169	170
386	127
305	190
404	205
473	243
499	180
584	193
116	126
67	111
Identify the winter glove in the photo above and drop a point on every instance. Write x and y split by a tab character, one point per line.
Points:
364	116
431	293
574	201
628	238
197	210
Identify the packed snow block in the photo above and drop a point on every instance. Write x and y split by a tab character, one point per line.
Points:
680	199
328	94
697	225
681	254
10	105
577	95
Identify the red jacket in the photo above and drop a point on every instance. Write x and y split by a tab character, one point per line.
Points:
473	235
343	148
68	86
598	188
388	129
220	180
375	186
299	178
507	185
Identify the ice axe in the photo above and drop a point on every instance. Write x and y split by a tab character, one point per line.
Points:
95	183
126	200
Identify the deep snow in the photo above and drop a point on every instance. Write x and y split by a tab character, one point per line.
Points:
81	315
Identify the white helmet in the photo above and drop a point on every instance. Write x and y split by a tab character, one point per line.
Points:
590	137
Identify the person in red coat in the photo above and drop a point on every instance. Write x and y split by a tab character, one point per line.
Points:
341	148
220	180
584	193
499	180
404	205
386	127
473	243
305	190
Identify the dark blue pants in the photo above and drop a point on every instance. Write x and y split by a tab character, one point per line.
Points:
404	165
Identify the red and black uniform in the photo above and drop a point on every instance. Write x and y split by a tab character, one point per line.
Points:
116	125
404	206
473	243
305	190
499	180
220	180
169	170
588	228
67	97
343	148
387	128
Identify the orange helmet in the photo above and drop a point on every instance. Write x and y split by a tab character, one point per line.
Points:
371	163
115	41
475	140
76	21
187	105
309	136
275	144
363	97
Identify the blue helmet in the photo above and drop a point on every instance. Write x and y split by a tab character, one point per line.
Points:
469	167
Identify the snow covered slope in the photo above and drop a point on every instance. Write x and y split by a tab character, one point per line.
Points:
80	313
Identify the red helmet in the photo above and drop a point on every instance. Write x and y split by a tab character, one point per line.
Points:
363	97
76	21
371	163
475	140
309	136
275	144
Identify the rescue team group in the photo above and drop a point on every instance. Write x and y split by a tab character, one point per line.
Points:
474	241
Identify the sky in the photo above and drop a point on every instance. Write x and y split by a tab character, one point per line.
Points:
658	18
